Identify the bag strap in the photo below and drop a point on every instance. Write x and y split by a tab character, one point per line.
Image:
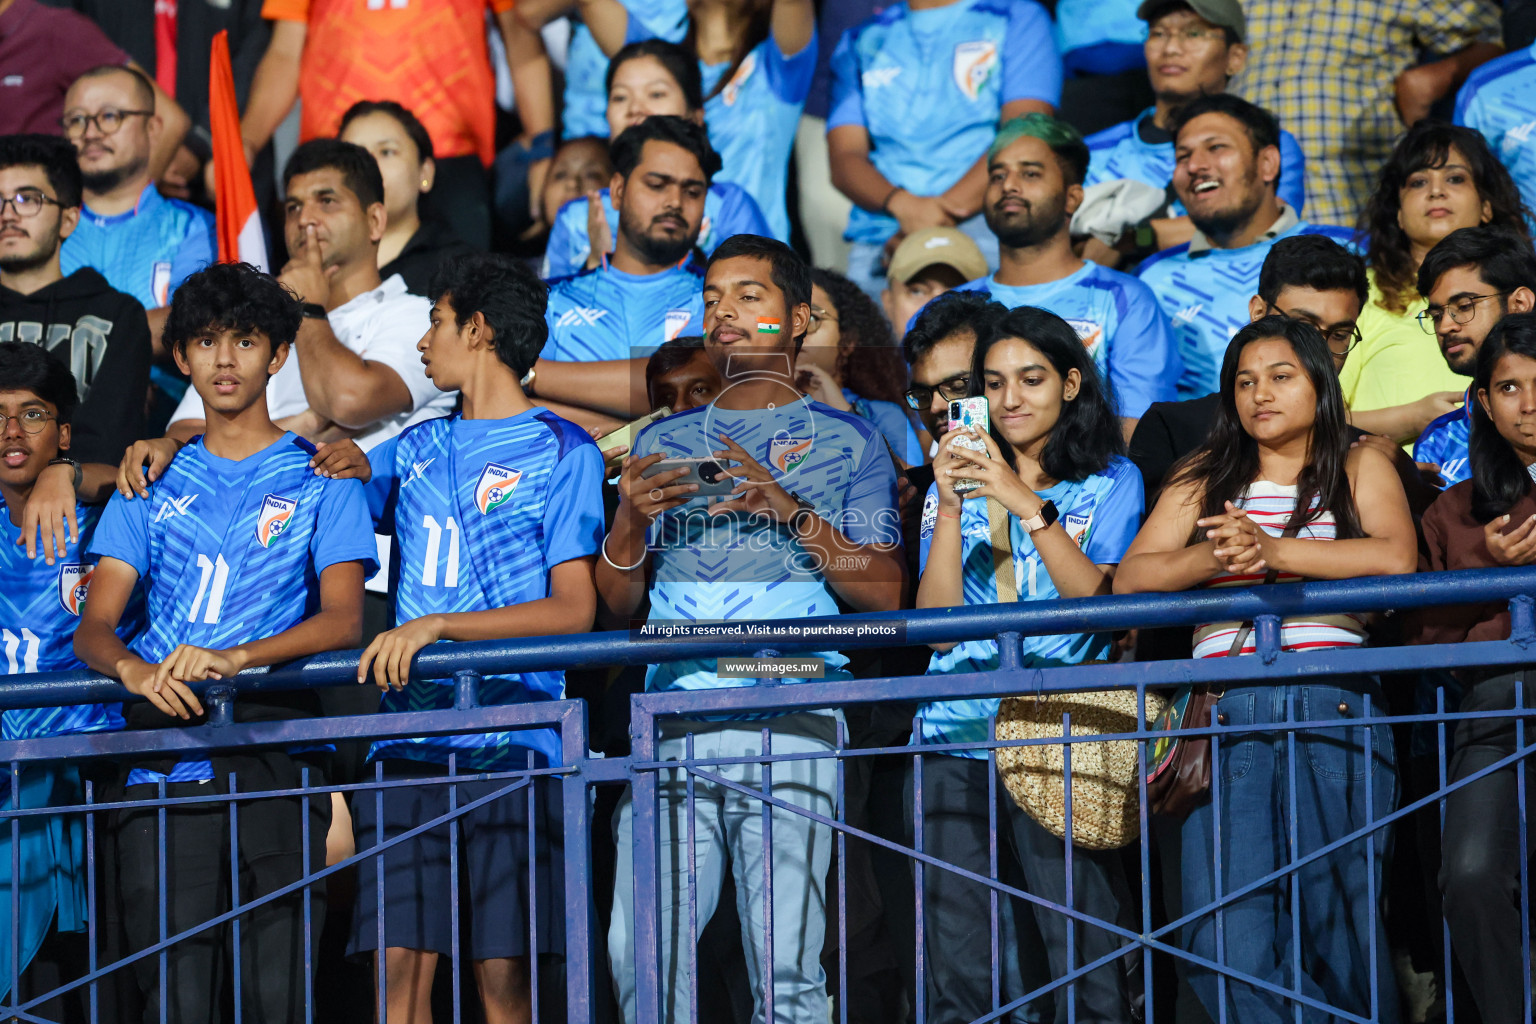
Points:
1292	528
1002	552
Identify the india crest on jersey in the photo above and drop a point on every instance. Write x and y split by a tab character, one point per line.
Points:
273	518
495	487
785	453
74	580
974	62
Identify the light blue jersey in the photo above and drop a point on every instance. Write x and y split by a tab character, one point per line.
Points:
585	108
1205	295
894	424
481	512
930	85
607	314
146	252
1101	513
752	122
39	610
727	567
1119	322
1499	100
231	552
1445	443
1139	150
728	210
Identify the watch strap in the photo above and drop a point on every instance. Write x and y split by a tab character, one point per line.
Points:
314	311
1041	519
65	460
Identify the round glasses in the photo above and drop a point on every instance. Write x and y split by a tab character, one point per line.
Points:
106	121
32	420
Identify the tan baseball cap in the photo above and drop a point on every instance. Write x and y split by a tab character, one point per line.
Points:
1221	13
949	247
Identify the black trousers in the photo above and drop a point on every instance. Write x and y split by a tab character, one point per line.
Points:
957	912
1482	851
200	884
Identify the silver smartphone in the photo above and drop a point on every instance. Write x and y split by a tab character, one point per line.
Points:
711	478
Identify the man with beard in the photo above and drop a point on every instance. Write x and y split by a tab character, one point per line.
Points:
605	321
1228	154
1473	278
84	324
141	242
1035	170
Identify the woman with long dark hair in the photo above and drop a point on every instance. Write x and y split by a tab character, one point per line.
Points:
1479	523
1276	492
648	77
1440	177
850	361
1055	481
756	59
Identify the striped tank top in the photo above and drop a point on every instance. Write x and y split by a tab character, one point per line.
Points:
1270	506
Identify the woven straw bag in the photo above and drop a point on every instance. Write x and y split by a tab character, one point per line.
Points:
1105	776
1105	791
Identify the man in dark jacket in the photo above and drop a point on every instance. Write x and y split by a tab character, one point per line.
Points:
100	334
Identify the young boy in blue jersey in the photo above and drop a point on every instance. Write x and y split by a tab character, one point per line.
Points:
810	527
1472	279
917	93
1035	170
603	322
39	609
497	515
248	558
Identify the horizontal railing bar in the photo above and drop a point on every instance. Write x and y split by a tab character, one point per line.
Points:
935	625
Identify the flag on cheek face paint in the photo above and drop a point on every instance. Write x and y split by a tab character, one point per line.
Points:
767	325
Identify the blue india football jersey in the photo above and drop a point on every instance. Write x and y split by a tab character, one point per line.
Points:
1205	296
481	512
752	121
727	567
1445	443
39	610
1120	151
585	109
728	210
1499	100
146	252
605	313
930	85
232	551
1101	513
1119	321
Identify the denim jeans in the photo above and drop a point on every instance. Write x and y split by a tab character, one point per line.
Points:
1321	917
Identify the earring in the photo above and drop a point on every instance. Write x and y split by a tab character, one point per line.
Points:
425	183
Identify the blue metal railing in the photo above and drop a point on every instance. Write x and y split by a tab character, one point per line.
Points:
467	662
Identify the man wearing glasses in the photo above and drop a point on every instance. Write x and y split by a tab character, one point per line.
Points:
141	242
1473	278
92	330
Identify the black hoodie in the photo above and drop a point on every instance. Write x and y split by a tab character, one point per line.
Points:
102	336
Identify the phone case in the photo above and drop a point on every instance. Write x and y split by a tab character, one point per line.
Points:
969	412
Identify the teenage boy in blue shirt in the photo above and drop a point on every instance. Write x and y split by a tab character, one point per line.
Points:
248	558
497	514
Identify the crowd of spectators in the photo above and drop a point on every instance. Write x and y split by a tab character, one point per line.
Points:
587	313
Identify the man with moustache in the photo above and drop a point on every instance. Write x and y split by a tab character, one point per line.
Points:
1227	171
605	321
1035	170
1473	278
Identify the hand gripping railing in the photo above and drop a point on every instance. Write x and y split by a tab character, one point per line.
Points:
468	661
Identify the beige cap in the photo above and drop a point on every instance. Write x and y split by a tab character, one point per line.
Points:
950	247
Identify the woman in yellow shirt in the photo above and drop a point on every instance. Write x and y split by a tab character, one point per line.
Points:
1440	177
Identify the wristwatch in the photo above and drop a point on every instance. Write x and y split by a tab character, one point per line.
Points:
800	516
527	382
65	460
1040	520
314	311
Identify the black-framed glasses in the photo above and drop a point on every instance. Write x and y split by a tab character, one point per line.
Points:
32	420
1341	338
1461	310
27	203
106	121
920	396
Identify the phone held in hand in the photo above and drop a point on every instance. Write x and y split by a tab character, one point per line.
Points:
969	412
712	479
626	434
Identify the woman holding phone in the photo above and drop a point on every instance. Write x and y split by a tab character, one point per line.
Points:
1276	494
1053	479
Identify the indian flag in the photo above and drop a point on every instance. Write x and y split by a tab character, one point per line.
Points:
239	220
767	325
